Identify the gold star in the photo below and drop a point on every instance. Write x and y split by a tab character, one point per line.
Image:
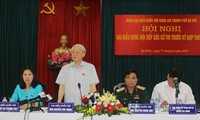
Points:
81	9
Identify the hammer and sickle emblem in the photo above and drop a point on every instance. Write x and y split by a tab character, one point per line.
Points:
51	10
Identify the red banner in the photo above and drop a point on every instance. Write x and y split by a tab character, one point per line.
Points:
157	35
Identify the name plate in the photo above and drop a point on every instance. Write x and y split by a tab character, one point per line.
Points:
9	107
182	109
141	108
60	107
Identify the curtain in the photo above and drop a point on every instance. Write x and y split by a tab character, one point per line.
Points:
151	69
18	41
80	29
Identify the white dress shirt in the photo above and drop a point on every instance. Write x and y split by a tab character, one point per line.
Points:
70	76
164	92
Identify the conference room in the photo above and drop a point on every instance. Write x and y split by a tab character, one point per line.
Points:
99	59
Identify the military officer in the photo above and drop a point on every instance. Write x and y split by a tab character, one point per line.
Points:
131	92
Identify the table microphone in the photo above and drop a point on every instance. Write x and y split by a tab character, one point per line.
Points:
176	85
176	82
42	97
79	87
96	95
45	98
23	102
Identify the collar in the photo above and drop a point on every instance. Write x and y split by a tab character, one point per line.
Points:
166	84
82	63
134	91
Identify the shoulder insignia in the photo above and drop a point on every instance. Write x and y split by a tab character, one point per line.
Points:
141	87
120	89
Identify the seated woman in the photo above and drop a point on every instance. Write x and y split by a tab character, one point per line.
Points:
29	87
131	92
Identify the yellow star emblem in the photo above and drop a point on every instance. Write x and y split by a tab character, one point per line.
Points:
81	9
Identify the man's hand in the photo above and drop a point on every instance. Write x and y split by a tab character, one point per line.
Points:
61	92
25	106
164	104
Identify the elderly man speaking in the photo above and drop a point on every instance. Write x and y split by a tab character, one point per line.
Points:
77	73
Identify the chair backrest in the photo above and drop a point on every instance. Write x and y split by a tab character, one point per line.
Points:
118	86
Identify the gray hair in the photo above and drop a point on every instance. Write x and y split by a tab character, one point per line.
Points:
79	45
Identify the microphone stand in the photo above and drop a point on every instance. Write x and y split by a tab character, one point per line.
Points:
177	88
176	96
92	104
91	117
177	92
35	108
81	96
79	87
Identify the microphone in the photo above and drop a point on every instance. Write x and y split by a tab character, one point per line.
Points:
84	100
176	82
96	95
79	87
35	98
49	97
42	97
23	102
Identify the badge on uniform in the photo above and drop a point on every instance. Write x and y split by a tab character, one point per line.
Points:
83	74
137	97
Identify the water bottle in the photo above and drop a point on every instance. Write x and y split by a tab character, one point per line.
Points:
152	101
4	99
157	106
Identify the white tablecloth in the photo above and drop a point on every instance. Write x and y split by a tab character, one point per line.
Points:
74	116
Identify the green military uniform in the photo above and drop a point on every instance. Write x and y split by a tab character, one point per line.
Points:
139	95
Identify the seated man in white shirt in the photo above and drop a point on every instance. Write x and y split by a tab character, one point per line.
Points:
166	90
77	72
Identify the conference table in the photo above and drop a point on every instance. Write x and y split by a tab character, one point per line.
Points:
38	115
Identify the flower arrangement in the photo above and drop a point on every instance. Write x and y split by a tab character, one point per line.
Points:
59	60
105	104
